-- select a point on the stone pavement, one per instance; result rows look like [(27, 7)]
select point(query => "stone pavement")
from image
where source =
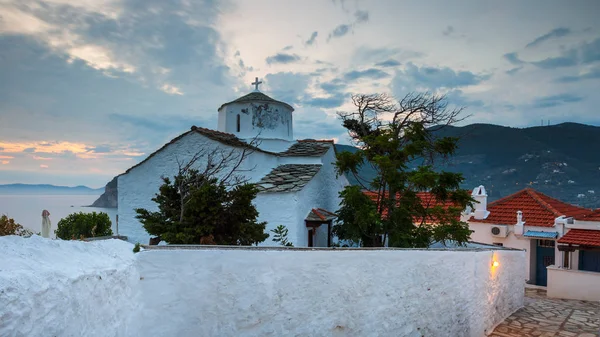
[(548, 317)]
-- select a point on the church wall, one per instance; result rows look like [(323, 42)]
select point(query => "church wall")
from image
[(252, 292), (138, 187), (278, 209), (273, 120)]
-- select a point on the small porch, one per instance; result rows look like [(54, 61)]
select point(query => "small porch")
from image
[(577, 274), (318, 223)]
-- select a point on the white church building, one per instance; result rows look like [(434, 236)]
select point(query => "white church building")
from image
[(297, 181)]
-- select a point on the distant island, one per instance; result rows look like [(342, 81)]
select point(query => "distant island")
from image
[(21, 189)]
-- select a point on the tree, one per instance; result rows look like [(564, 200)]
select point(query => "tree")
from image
[(86, 225), (8, 226), (391, 137), (280, 235), (207, 202)]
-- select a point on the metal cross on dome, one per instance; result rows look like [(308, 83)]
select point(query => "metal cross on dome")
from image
[(256, 83)]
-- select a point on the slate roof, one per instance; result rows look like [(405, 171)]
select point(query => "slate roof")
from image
[(288, 178), (582, 237), (319, 214), (256, 96), (308, 148), (538, 209)]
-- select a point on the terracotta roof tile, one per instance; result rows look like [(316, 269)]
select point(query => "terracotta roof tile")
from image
[(428, 200), (319, 214), (582, 237), (593, 216), (538, 209)]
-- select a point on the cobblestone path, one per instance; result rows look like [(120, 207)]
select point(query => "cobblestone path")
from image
[(548, 317)]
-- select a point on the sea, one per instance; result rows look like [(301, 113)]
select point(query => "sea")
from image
[(27, 209)]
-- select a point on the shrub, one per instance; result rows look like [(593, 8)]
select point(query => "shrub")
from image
[(136, 248), (8, 226), (84, 225), (280, 235)]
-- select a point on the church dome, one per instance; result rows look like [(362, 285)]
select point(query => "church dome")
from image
[(257, 115)]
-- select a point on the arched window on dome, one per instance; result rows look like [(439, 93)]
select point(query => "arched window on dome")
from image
[(238, 123)]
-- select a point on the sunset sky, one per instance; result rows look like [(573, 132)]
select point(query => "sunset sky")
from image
[(91, 87)]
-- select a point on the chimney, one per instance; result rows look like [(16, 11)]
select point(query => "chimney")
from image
[(480, 197), (519, 225)]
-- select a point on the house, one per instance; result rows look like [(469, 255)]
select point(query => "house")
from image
[(297, 181), (554, 234)]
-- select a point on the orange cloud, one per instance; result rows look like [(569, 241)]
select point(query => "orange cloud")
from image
[(80, 150), (44, 166), (6, 157), (4, 162), (41, 158)]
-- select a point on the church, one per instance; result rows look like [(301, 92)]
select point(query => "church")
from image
[(297, 181)]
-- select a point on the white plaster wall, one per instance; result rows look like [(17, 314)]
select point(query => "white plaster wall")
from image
[(278, 209), (573, 284), (137, 188), (228, 121), (482, 233), (325, 293)]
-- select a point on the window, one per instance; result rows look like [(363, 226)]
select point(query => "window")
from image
[(498, 244), (566, 260), (546, 243), (238, 123)]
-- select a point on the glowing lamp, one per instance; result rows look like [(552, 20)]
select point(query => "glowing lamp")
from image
[(495, 264)]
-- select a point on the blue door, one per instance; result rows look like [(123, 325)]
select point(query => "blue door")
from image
[(589, 260), (544, 258)]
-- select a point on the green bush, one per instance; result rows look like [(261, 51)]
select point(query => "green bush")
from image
[(8, 226), (136, 248), (86, 225)]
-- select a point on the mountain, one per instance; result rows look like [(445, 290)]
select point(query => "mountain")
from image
[(562, 161), (108, 199), (47, 189)]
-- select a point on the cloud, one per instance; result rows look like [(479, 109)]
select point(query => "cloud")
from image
[(388, 63), (41, 158), (513, 58), (5, 162), (282, 58), (100, 149), (568, 59), (171, 89), (442, 77), (448, 31), (361, 16), (371, 73), (513, 70), (553, 34), (6, 157), (339, 31), (556, 100), (590, 52), (287, 86), (369, 55), (312, 39), (44, 166), (335, 85), (592, 74), (333, 101), (287, 48)]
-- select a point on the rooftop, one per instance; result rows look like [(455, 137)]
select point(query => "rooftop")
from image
[(288, 178), (538, 209), (256, 96), (582, 237)]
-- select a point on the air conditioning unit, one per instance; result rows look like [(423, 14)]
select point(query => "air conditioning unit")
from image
[(499, 231)]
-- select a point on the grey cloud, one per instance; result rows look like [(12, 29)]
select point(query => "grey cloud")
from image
[(334, 85), (556, 100), (448, 31), (371, 73), (513, 58), (513, 70), (282, 58), (432, 77), (593, 74), (388, 63), (100, 149), (568, 59), (458, 98), (361, 16), (287, 47), (333, 101), (339, 31), (555, 33), (287, 86), (29, 150), (312, 39), (590, 52)]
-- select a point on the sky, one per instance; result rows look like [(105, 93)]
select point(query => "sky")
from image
[(88, 88)]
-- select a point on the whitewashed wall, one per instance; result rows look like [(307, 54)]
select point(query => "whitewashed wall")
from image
[(138, 187), (278, 123), (326, 293)]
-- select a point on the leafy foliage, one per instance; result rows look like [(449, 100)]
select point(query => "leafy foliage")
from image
[(213, 214), (84, 225), (391, 136), (280, 235), (8, 226), (136, 248)]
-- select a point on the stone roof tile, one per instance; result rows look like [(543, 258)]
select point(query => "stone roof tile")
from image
[(288, 178)]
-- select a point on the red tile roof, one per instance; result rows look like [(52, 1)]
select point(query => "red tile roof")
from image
[(582, 237), (594, 216), (538, 209), (428, 200)]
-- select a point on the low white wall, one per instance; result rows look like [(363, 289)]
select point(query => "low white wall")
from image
[(326, 293), (65, 288), (573, 284)]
